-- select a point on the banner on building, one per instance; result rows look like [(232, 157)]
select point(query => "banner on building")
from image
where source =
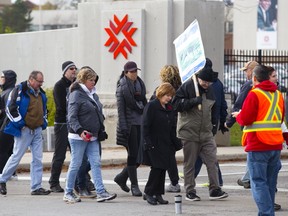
[(267, 24), (190, 51)]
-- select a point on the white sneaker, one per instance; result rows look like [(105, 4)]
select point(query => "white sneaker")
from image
[(173, 189), (71, 198)]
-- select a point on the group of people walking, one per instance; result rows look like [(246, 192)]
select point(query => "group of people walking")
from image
[(177, 116)]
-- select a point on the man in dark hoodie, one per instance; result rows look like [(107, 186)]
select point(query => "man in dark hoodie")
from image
[(7, 83)]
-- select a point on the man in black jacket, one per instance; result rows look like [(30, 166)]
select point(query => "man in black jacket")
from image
[(60, 91)]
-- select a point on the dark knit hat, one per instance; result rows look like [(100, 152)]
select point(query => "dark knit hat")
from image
[(130, 66), (208, 63), (67, 65), (206, 74)]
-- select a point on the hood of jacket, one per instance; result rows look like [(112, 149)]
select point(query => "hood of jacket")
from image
[(267, 86), (10, 79)]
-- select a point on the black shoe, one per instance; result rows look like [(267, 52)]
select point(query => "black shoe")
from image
[(217, 194), (150, 199), (56, 189), (40, 191), (121, 183), (85, 194), (191, 196), (90, 186), (160, 200), (135, 190), (277, 207), (3, 189)]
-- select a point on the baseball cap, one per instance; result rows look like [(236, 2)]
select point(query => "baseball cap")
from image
[(249, 65)]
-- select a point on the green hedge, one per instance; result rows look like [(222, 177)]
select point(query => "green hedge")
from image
[(50, 106), (235, 135)]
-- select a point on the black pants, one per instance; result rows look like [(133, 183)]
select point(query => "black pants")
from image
[(173, 171), (61, 144), (133, 145), (156, 182), (6, 148)]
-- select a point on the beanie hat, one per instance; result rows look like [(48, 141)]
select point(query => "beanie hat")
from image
[(67, 65), (206, 74), (208, 63), (130, 66)]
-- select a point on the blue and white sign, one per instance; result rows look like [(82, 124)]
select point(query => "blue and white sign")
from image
[(190, 51)]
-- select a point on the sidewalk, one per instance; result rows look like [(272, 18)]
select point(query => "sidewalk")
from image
[(115, 155)]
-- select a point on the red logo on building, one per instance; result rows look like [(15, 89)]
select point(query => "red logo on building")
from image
[(120, 28)]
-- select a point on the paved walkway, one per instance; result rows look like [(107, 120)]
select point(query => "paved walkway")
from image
[(114, 155)]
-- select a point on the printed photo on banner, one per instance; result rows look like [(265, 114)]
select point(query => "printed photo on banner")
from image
[(267, 24), (189, 51)]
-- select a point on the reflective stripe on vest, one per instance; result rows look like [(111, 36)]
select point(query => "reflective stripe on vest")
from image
[(267, 124)]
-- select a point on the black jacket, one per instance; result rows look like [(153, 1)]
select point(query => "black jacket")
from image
[(129, 111), (60, 92), (247, 86), (10, 81), (159, 132)]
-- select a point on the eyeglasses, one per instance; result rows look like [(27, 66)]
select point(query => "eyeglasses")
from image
[(39, 81), (72, 68)]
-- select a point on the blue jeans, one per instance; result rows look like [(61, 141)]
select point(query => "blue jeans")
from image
[(264, 168), (29, 138), (78, 149)]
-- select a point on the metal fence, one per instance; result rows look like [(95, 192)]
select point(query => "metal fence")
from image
[(235, 59)]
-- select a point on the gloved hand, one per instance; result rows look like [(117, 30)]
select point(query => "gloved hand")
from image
[(214, 130), (148, 146), (195, 101), (223, 128)]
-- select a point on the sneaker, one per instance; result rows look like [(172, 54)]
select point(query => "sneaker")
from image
[(71, 198), (40, 191), (217, 194), (105, 196), (191, 196), (277, 207), (14, 177), (84, 193), (245, 184), (56, 189), (3, 189), (181, 175), (173, 189)]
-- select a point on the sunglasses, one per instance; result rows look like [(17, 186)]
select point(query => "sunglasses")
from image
[(72, 68)]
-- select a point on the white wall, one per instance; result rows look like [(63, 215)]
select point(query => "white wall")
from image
[(159, 22)]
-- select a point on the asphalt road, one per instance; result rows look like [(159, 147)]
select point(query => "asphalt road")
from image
[(18, 201)]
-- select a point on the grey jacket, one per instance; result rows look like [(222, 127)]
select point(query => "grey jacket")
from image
[(194, 124), (83, 112)]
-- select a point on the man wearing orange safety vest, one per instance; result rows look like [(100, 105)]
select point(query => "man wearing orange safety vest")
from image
[(262, 115)]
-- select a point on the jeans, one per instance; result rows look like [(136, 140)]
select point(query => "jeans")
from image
[(264, 168), (246, 176), (79, 148), (29, 138)]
